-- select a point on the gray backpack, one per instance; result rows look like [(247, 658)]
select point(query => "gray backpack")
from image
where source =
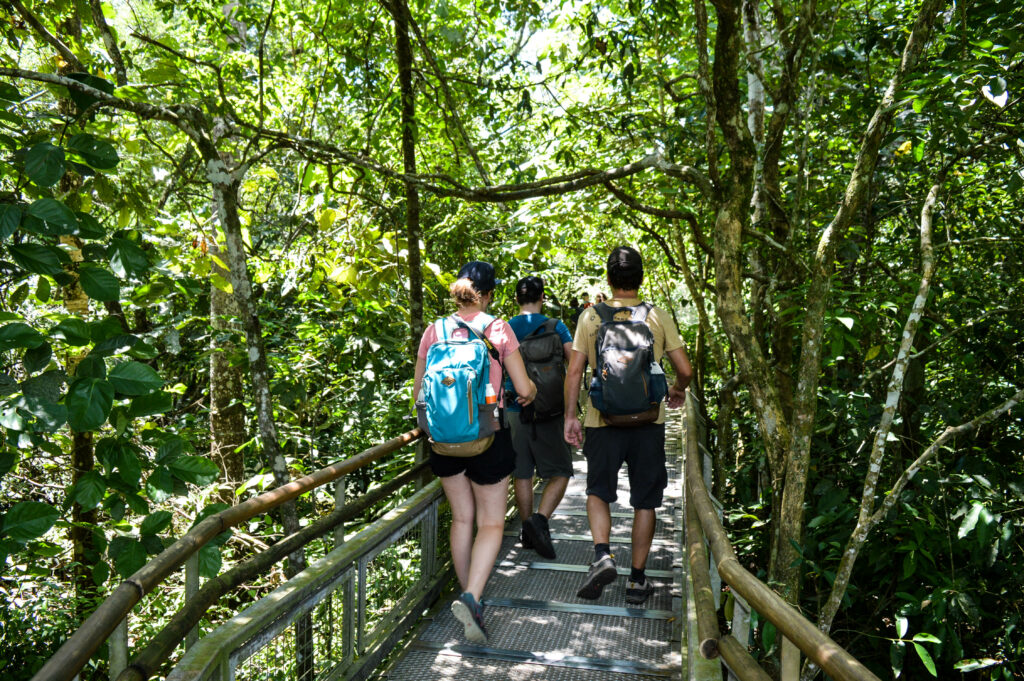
[(628, 385), (545, 364)]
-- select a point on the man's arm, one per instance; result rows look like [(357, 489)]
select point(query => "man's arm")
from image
[(684, 372), (573, 376)]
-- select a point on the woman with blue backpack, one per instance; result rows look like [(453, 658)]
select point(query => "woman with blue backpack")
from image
[(457, 384)]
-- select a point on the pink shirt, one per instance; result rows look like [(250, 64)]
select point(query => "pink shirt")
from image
[(500, 335)]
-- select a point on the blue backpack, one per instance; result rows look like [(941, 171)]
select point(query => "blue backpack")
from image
[(453, 406)]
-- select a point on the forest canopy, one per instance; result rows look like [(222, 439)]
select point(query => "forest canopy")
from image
[(223, 225)]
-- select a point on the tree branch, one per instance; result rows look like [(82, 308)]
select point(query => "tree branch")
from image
[(446, 90), (37, 26), (108, 39), (633, 203)]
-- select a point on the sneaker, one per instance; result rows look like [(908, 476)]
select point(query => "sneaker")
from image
[(535, 529), (602, 572), (471, 614), (638, 592), (524, 539)]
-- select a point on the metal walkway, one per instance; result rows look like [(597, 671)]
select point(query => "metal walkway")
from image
[(540, 629)]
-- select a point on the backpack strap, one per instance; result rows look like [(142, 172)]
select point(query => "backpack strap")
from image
[(471, 328), (641, 311), (548, 326), (605, 311), (638, 313)]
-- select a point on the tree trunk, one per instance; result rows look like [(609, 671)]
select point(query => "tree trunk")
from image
[(227, 413), (403, 53)]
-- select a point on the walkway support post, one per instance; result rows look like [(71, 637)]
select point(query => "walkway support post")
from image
[(191, 589)]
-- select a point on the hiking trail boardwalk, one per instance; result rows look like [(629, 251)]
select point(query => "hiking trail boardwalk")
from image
[(539, 628)]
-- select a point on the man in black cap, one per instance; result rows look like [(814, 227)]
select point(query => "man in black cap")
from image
[(606, 446)]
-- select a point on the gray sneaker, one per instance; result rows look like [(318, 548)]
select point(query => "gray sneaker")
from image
[(637, 592), (471, 614), (602, 573)]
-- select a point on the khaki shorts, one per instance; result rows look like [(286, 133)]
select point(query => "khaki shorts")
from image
[(540, 447)]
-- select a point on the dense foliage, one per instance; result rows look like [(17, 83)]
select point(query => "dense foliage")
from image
[(282, 121)]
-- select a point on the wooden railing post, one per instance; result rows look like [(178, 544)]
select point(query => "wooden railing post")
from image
[(191, 588), (339, 502), (789, 661), (118, 643)]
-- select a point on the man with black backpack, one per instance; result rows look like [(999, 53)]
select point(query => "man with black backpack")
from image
[(537, 433), (624, 340)]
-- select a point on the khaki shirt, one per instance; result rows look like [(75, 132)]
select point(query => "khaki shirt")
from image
[(666, 339)]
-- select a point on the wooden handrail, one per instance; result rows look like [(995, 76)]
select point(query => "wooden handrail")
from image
[(838, 663), (65, 664)]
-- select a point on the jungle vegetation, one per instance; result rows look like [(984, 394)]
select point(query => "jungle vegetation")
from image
[(224, 224)]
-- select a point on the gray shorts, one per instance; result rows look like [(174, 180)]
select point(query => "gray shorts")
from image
[(540, 447)]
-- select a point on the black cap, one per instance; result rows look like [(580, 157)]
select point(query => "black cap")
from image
[(529, 289), (625, 261), (481, 274)]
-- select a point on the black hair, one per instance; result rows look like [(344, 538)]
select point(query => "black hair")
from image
[(529, 290), (625, 269)]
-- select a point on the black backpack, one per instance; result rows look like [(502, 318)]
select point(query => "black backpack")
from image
[(628, 385), (545, 364)]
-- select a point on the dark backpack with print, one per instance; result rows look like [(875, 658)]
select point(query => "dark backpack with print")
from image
[(628, 385), (545, 364)]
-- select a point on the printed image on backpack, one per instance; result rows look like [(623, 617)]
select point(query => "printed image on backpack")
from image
[(544, 360), (453, 406), (628, 385)]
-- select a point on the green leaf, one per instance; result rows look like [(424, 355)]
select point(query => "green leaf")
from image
[(10, 218), (72, 331), (194, 469), (929, 638), (29, 520), (36, 359), (43, 289), (44, 164), (152, 544), (7, 460), (98, 283), (112, 345), (156, 522), (89, 227), (88, 401), (89, 490), (137, 504), (49, 416), (19, 335), (52, 218), (134, 378), (36, 258), (82, 100), (91, 367), (972, 665), (154, 403), (129, 555), (209, 561), (172, 448), (159, 485), (926, 658), (97, 153), (9, 93), (970, 520), (100, 573), (126, 258)]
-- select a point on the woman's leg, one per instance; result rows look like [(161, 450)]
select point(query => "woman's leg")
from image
[(460, 497), (491, 501)]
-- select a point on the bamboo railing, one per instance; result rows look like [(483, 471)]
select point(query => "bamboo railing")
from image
[(703, 522), (68, 661)]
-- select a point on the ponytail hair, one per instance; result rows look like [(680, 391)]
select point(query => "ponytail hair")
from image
[(464, 293)]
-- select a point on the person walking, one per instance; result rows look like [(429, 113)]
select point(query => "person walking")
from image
[(624, 339), (476, 486), (537, 429)]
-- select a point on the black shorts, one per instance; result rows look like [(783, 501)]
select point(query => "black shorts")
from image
[(487, 468), (641, 448)]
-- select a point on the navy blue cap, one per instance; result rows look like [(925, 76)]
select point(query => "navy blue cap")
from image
[(481, 274)]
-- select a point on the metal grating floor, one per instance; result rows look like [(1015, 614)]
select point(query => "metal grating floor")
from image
[(541, 631)]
